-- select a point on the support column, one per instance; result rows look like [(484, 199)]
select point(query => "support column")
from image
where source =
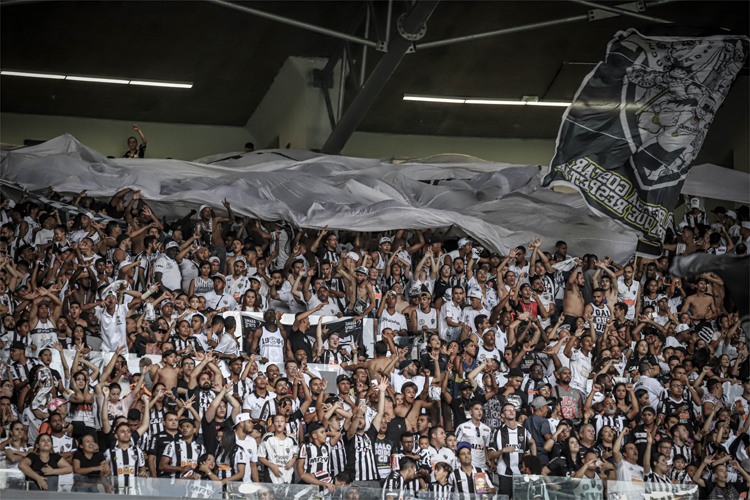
[(397, 48)]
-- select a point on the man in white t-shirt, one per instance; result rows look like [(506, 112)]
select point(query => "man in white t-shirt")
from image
[(43, 237), (388, 317), (629, 473), (580, 360), (243, 427), (322, 296), (220, 297), (166, 268), (475, 309), (449, 321), (111, 313), (652, 386)]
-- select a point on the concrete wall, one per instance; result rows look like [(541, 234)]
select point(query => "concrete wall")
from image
[(293, 110), (520, 151), (110, 137)]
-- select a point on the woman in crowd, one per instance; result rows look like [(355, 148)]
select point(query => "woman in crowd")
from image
[(42, 466), (15, 448), (89, 465), (231, 459)]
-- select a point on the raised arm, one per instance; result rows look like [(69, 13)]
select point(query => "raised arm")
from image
[(617, 445)]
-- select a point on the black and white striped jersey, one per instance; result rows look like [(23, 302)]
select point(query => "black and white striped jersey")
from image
[(441, 491), (203, 400), (181, 344), (616, 422), (21, 371), (536, 489), (508, 463), (685, 450), (243, 388), (338, 456), (655, 482), (680, 476), (395, 483), (333, 358), (160, 441), (156, 420), (180, 454), (412, 485), (228, 464), (360, 452), (125, 465), (465, 483), (316, 461)]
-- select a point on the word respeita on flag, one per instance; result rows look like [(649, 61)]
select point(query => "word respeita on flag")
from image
[(638, 121)]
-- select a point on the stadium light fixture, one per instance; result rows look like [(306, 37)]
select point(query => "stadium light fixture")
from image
[(92, 79), (487, 101)]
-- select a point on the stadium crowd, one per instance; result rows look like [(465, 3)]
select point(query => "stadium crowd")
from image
[(484, 366)]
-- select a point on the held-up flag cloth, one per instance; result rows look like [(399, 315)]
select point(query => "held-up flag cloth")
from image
[(638, 121)]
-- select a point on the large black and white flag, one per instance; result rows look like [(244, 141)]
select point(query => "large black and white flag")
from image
[(638, 121)]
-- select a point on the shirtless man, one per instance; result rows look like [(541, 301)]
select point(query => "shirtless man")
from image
[(83, 293), (608, 282), (700, 306), (380, 365), (573, 303), (210, 224), (362, 291), (412, 406), (165, 371), (401, 304)]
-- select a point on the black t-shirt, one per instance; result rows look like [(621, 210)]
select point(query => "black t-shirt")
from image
[(37, 464), (139, 345), (561, 467), (427, 362), (639, 437), (96, 459), (211, 430), (396, 427), (518, 398), (297, 341), (139, 154), (461, 408), (440, 287), (687, 416)]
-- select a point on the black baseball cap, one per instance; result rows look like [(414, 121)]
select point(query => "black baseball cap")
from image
[(18, 345)]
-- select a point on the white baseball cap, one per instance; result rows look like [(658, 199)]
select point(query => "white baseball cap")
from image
[(475, 294), (241, 417), (695, 203), (385, 239), (732, 214), (463, 242), (172, 244), (681, 328)]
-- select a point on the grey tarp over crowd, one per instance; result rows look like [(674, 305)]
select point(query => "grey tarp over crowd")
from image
[(500, 205)]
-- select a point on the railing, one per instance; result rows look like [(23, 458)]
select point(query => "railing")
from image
[(525, 487)]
